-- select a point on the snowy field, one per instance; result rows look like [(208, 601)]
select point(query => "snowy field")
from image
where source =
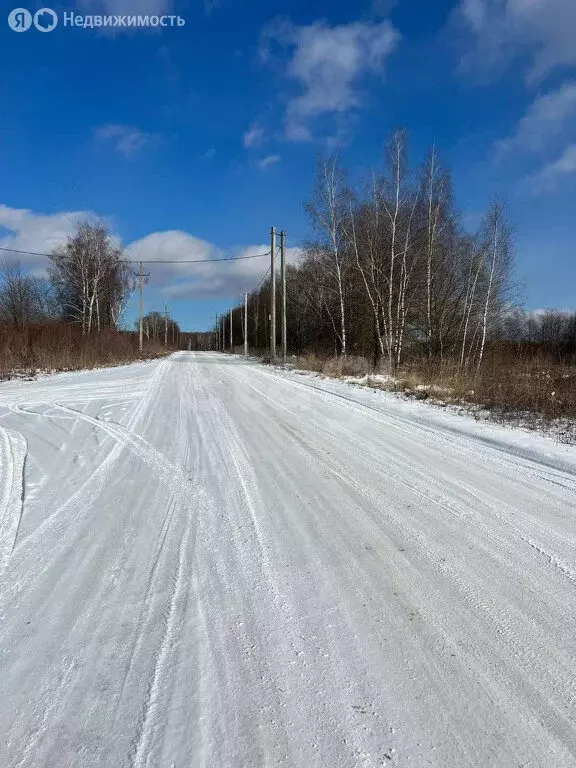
[(206, 562)]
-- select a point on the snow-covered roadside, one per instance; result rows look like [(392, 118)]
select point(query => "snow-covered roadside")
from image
[(35, 374), (521, 437)]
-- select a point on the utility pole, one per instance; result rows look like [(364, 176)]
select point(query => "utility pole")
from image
[(165, 325), (283, 279), (246, 324), (273, 295), (217, 334), (141, 275), (231, 340)]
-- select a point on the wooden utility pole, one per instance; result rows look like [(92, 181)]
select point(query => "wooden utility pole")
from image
[(273, 294), (141, 277), (217, 334), (246, 324), (283, 279), (231, 340), (165, 325), (141, 323)]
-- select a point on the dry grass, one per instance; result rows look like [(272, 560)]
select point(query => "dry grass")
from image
[(335, 367), (534, 391), (60, 347), (508, 385), (347, 366)]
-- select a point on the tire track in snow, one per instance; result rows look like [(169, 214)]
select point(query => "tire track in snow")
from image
[(507, 625), (457, 497), (166, 471), (93, 485), (566, 570), (173, 476), (12, 461), (180, 525), (146, 609), (418, 431), (288, 635), (223, 658), (145, 743)]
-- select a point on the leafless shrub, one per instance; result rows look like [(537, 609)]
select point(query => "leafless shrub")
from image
[(310, 363), (60, 347)]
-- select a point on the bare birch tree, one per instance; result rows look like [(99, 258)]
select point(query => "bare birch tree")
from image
[(496, 246), (328, 211), (91, 279), (382, 239)]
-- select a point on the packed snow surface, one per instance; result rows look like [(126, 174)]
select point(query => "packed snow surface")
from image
[(207, 562)]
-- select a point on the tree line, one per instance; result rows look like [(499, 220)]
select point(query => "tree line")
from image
[(72, 316), (391, 273), (158, 326), (89, 283)]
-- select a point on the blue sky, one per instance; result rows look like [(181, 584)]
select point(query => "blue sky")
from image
[(192, 141)]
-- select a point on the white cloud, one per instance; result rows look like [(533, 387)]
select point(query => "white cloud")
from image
[(551, 175), (547, 118), (504, 29), (268, 161), (171, 246), (208, 280), (25, 230), (253, 137), (327, 63), (127, 140)]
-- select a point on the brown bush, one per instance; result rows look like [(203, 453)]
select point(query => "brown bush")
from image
[(335, 367), (310, 362), (61, 347), (347, 366)]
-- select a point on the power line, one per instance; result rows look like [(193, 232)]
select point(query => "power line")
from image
[(152, 261), (195, 261), (263, 278), (26, 253)]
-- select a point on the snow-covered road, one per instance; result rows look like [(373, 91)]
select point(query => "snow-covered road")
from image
[(205, 562)]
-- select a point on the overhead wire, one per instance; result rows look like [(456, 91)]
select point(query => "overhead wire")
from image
[(265, 274), (261, 281), (161, 261), (152, 261)]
